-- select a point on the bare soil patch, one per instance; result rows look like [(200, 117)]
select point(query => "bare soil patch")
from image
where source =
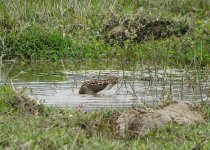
[(140, 122)]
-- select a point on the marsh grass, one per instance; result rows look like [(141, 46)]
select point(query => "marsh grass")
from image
[(76, 129), (66, 130), (54, 30)]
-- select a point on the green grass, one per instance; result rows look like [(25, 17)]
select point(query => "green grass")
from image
[(54, 30), (60, 131), (70, 128), (76, 129)]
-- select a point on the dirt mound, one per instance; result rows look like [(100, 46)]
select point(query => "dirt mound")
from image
[(137, 122), (138, 29), (156, 29), (28, 105)]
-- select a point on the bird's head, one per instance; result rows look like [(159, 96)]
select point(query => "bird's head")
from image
[(114, 80)]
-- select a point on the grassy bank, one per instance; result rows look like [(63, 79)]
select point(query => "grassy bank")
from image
[(53, 30), (66, 128)]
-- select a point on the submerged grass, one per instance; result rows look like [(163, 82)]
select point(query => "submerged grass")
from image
[(75, 129)]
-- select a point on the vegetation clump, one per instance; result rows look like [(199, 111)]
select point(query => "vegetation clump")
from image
[(139, 29), (12, 101)]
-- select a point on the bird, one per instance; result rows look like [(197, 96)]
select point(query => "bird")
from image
[(95, 86)]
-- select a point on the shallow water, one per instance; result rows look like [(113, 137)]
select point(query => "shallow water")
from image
[(58, 84)]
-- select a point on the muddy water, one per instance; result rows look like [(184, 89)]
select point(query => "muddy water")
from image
[(58, 84)]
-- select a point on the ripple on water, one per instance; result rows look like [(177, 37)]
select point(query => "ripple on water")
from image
[(134, 90)]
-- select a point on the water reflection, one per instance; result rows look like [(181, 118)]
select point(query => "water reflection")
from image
[(59, 84)]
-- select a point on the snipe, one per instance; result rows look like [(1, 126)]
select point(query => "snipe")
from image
[(95, 86)]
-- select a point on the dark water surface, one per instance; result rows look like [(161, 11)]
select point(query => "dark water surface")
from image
[(58, 83)]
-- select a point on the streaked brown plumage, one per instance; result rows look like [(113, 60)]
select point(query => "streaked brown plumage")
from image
[(95, 86)]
